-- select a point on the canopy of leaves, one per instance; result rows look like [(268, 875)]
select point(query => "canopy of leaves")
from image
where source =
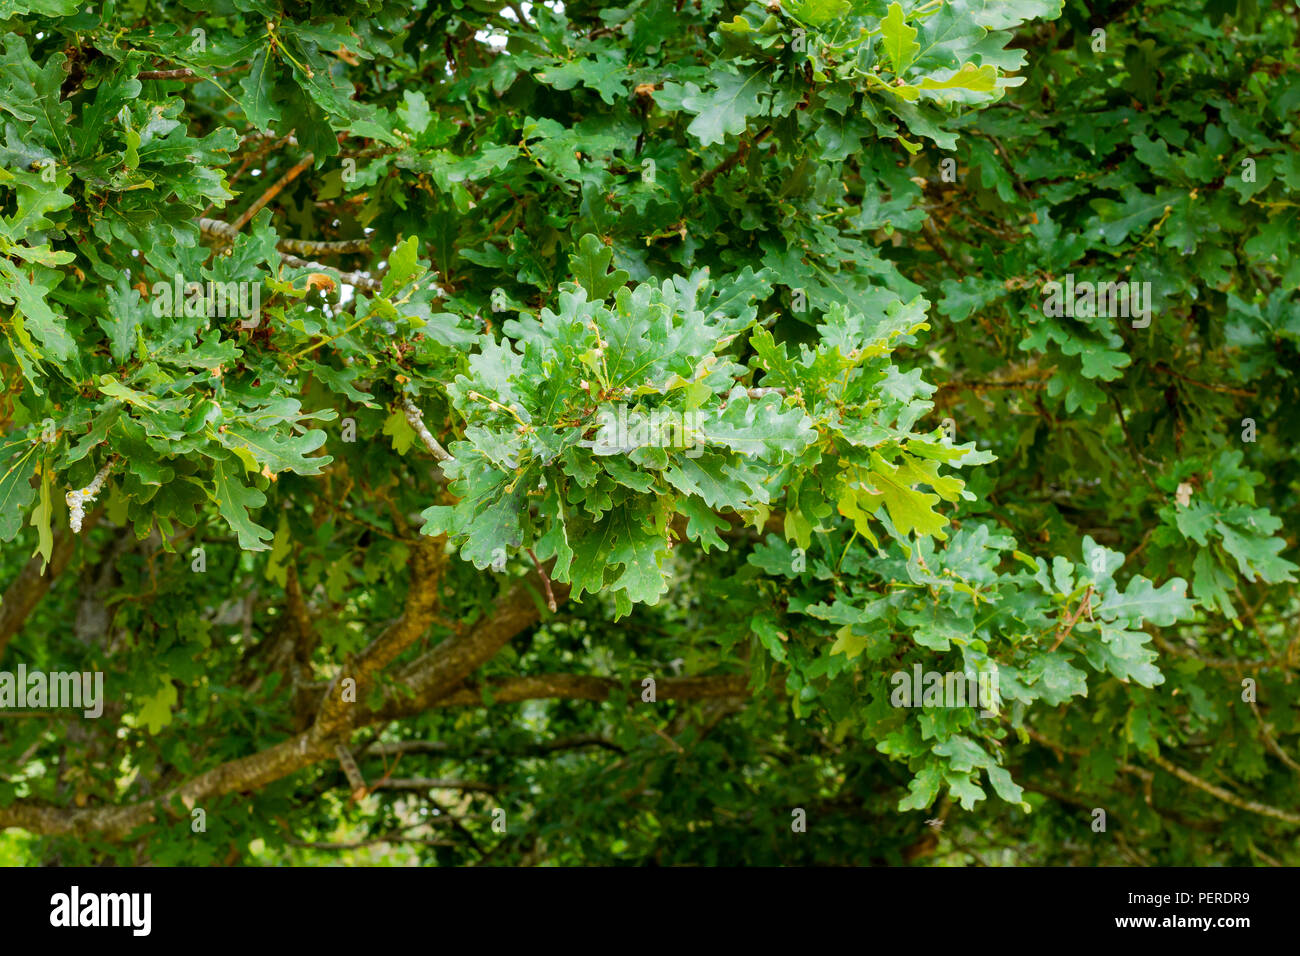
[(552, 433)]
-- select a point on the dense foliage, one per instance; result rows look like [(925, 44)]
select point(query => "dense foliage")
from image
[(474, 432)]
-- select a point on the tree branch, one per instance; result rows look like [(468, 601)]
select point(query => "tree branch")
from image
[(335, 715), (511, 690), (427, 783), (1252, 806), (289, 176), (1271, 741), (415, 418), (442, 748), (436, 673), (225, 233), (26, 590)]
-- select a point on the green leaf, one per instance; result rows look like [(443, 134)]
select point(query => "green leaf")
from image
[(726, 108), (16, 491), (899, 39), (909, 509), (403, 265), (277, 453), (817, 12), (848, 643), (33, 313), (233, 499), (923, 788), (399, 431), (258, 99), (590, 268), (155, 710), (978, 79)]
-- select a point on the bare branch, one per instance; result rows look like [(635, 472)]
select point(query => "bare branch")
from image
[(1219, 793), (274, 190), (425, 783), (1271, 741), (578, 687), (443, 748), (416, 420), (225, 233)]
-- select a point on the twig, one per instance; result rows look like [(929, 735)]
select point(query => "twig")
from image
[(936, 243), (309, 247), (79, 498), (1219, 793), (546, 581), (1137, 455), (375, 841), (1250, 844), (1270, 741), (1186, 776), (184, 74), (416, 419), (1219, 663), (539, 749), (273, 191), (981, 386), (1084, 605), (1226, 389), (678, 747), (426, 783), (1004, 236), (350, 770), (731, 161), (1006, 158)]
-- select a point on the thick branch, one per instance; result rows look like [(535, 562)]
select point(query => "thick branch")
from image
[(225, 233), (435, 679), (431, 676), (357, 280), (443, 669), (427, 561)]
